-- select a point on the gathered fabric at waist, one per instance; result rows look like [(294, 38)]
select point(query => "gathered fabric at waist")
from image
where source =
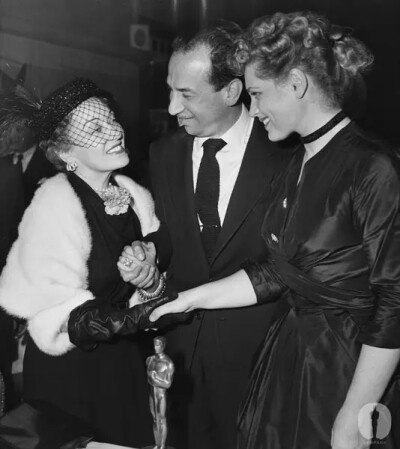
[(309, 294), (302, 306)]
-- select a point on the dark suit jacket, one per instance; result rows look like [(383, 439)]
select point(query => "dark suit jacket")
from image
[(11, 210), (16, 192), (38, 168), (241, 330), (11, 204)]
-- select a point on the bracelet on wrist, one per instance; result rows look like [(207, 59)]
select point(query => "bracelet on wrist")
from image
[(158, 292)]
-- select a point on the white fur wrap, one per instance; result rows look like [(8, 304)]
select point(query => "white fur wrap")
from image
[(46, 272)]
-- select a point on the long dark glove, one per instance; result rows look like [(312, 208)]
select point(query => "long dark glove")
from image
[(92, 323)]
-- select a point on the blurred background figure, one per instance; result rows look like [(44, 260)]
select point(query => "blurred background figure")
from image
[(22, 168)]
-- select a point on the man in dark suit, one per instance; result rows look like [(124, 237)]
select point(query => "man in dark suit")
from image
[(21, 173), (22, 167), (214, 351), (36, 168)]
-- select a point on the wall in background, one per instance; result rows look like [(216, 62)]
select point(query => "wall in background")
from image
[(56, 40)]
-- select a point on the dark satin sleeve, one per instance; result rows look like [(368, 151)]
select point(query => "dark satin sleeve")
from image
[(162, 242), (376, 210), (266, 282)]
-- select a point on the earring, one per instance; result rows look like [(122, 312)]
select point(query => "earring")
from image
[(72, 166)]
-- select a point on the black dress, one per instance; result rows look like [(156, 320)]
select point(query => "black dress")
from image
[(107, 387), (335, 241)]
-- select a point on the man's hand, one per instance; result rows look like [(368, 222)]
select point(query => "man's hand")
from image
[(142, 251), (137, 264)]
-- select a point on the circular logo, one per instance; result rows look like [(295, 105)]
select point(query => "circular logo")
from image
[(374, 421)]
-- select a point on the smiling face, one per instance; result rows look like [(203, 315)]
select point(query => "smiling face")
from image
[(97, 139), (274, 104), (198, 107)]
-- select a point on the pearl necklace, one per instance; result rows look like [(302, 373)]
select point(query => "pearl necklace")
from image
[(116, 199)]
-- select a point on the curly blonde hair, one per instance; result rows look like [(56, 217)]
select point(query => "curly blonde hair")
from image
[(328, 53)]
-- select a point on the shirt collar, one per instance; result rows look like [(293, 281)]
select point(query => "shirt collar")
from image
[(24, 157), (235, 133)]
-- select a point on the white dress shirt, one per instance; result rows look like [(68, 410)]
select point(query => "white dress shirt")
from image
[(229, 158)]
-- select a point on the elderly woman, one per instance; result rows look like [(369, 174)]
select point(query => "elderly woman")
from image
[(66, 255), (333, 231)]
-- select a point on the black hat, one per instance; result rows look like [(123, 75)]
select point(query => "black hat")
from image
[(61, 102)]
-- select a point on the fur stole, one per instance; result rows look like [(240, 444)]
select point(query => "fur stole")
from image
[(46, 272)]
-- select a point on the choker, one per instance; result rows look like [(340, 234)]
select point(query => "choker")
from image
[(324, 129), (116, 199)]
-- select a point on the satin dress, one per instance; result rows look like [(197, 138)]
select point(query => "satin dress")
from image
[(107, 387), (334, 240)]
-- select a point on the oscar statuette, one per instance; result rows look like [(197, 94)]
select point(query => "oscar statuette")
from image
[(160, 373)]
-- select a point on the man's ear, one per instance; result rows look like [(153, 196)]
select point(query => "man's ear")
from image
[(233, 91), (298, 82)]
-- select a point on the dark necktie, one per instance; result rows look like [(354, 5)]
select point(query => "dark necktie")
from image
[(17, 160), (207, 194), (17, 171)]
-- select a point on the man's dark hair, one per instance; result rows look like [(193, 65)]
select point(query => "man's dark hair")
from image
[(220, 38)]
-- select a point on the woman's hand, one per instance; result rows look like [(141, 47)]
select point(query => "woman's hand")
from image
[(184, 303), (137, 265), (345, 431), (235, 290)]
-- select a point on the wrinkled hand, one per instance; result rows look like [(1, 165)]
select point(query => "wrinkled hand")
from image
[(137, 264), (183, 304), (345, 432)]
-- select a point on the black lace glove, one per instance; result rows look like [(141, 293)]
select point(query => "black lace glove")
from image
[(90, 323)]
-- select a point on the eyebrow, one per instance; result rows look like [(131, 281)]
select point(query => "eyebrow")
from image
[(98, 118), (181, 89), (92, 120)]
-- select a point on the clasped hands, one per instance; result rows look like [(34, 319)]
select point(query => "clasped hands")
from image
[(137, 265), (91, 323)]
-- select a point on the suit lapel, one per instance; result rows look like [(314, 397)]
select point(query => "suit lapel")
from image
[(38, 165), (253, 179), (180, 179)]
